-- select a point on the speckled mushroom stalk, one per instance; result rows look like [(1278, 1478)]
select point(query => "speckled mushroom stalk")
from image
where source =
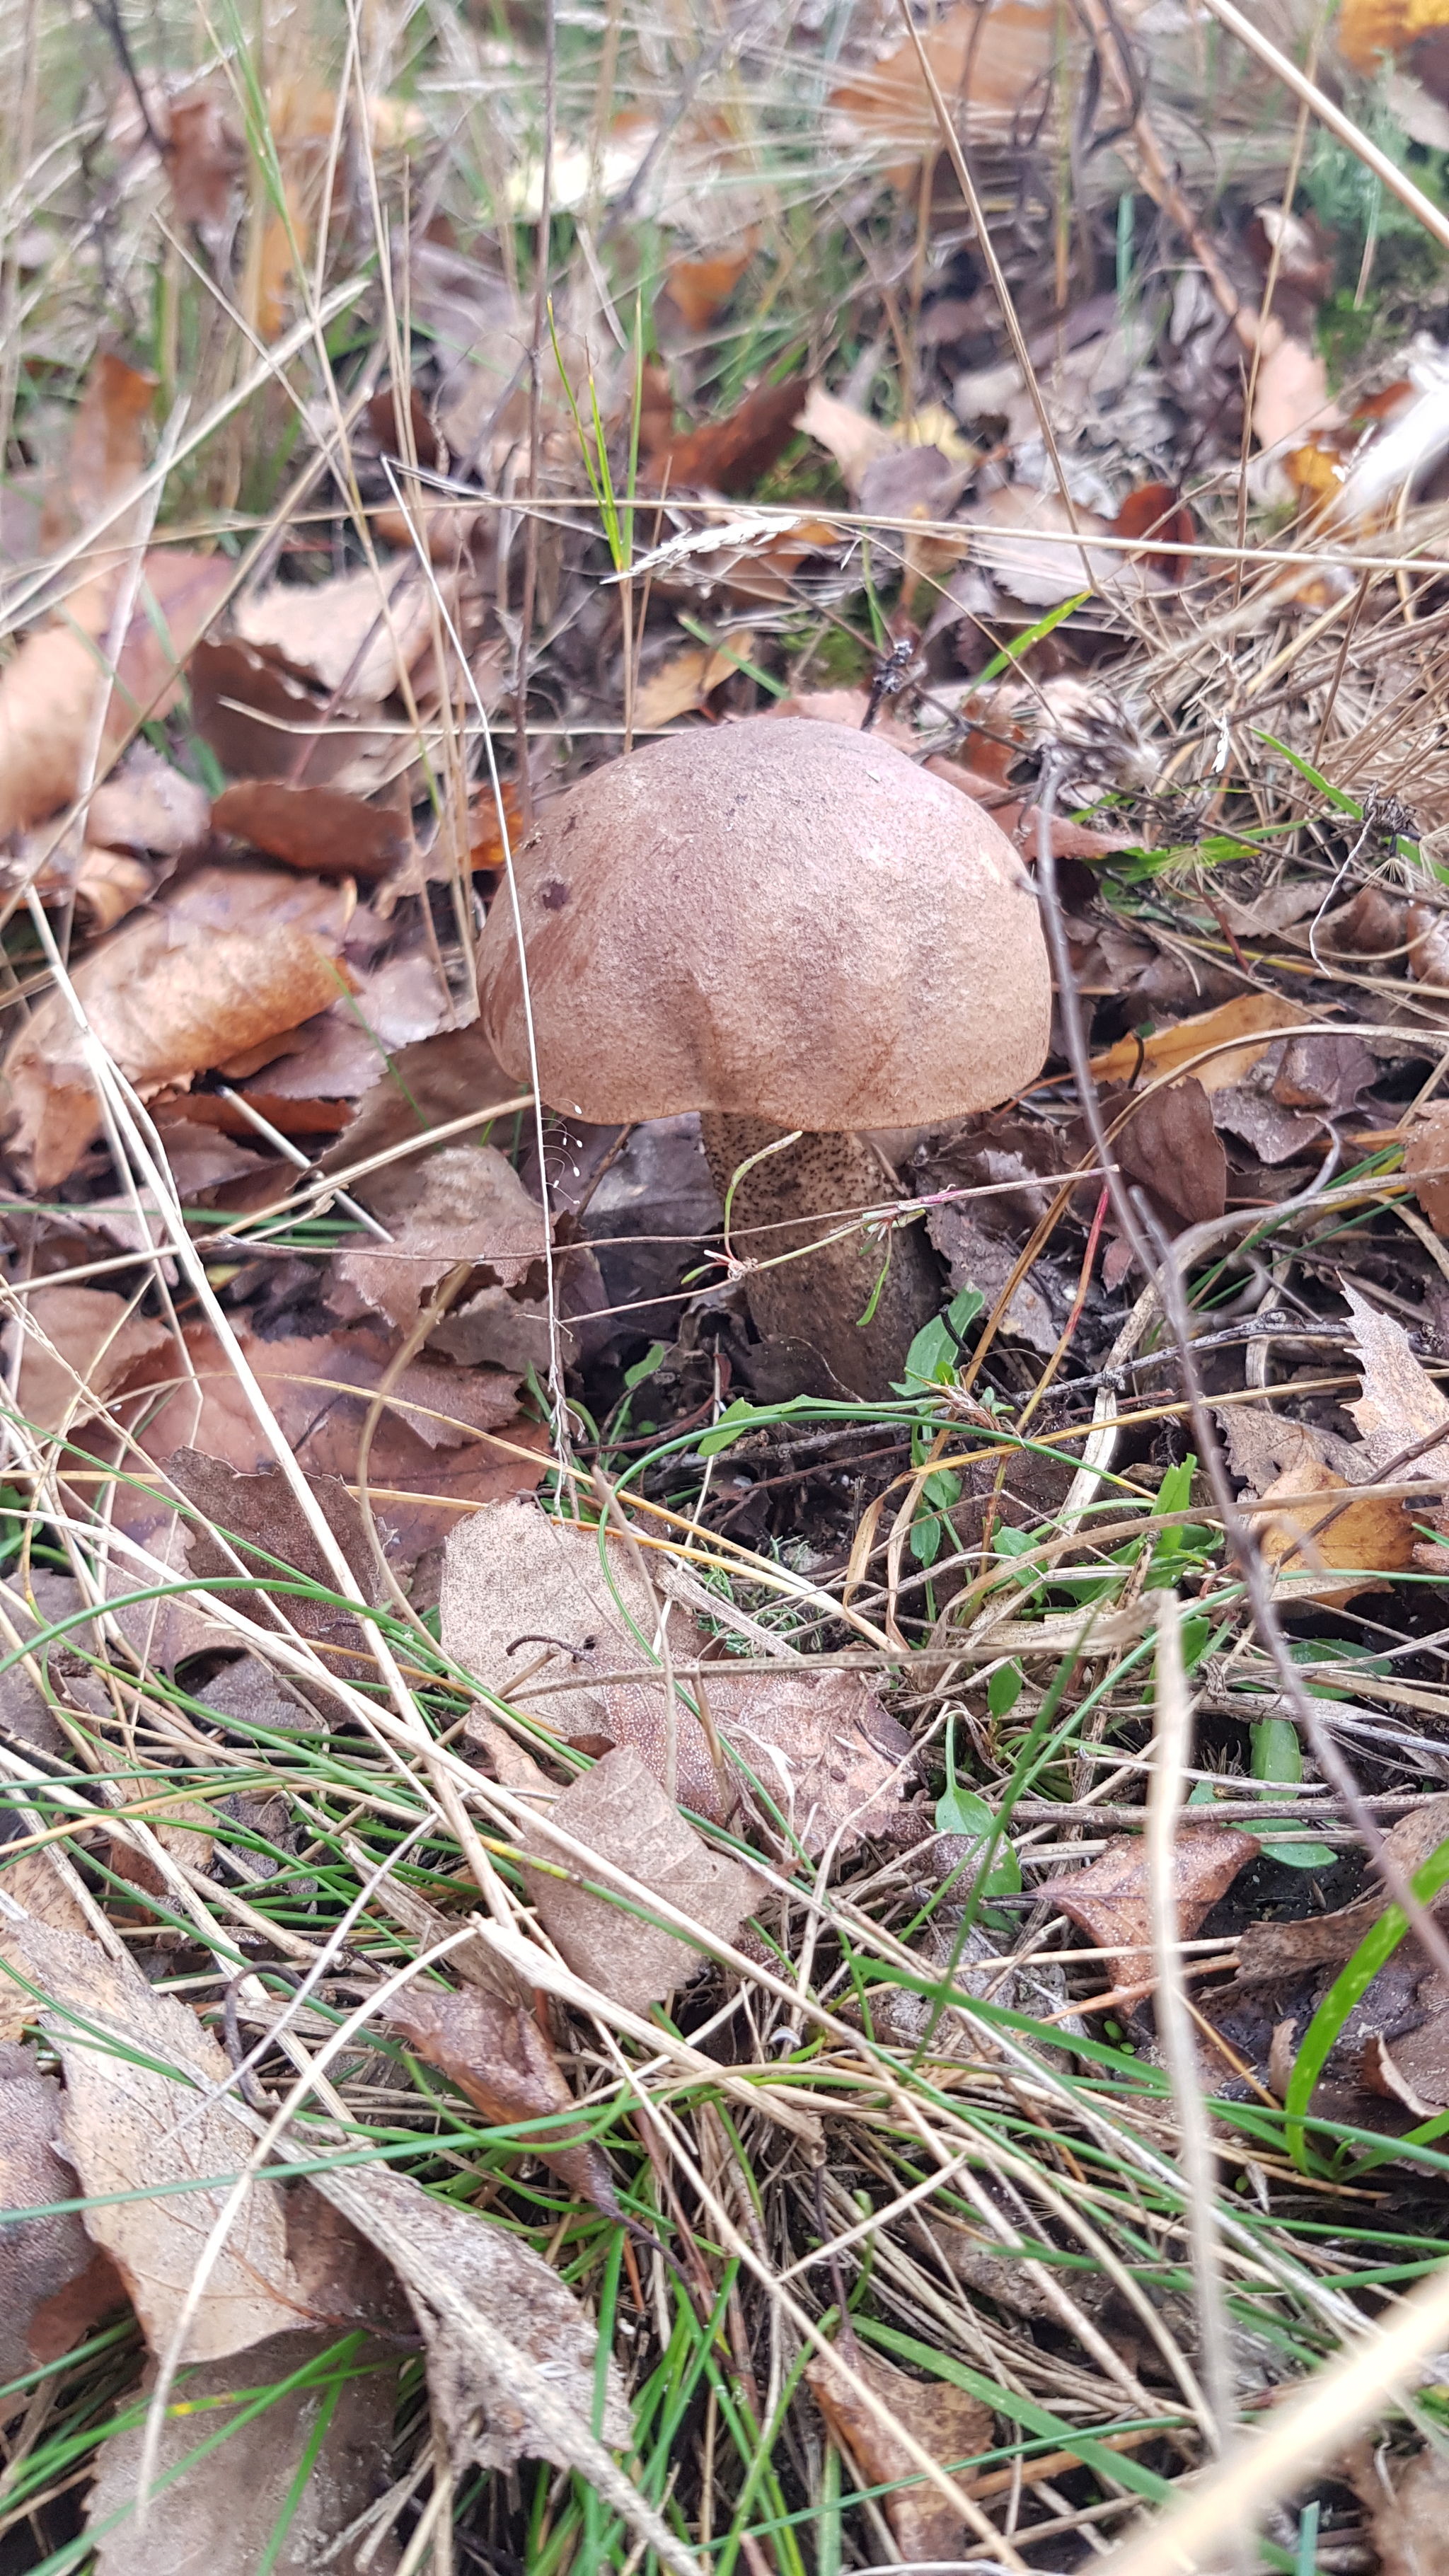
[(785, 926)]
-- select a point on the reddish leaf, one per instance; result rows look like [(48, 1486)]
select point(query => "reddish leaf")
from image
[(1111, 1900), (496, 2053), (731, 455), (313, 828)]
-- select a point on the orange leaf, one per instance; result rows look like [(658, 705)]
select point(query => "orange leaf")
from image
[(1256, 1018)]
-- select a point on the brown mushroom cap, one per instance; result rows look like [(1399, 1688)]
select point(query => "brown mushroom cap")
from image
[(777, 919)]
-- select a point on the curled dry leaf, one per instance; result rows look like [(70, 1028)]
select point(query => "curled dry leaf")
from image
[(1297, 1532), (685, 680), (313, 827), (263, 1509), (50, 691), (107, 452), (148, 806), (831, 1760), (512, 2356), (75, 1347), (731, 455), (166, 1000), (341, 1055), (133, 2132), (46, 2299), (1407, 2500), (1400, 1409), (1255, 1018), (261, 718), (1168, 1143), (985, 62), (949, 2423), (497, 2054), (348, 635), (473, 1207), (1426, 1162), (217, 2508), (619, 1810), (1111, 1900)]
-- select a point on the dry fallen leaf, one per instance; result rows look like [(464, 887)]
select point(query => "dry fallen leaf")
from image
[(497, 2054), (312, 827), (220, 2516), (167, 999), (1292, 395), (107, 452), (1167, 1142), (43, 2261), (685, 680), (258, 715), (1256, 1018), (262, 1509), (473, 1207), (1028, 543), (1111, 1899), (131, 2130), (1426, 1161), (348, 634), (50, 690), (701, 288), (986, 63), (829, 1758), (731, 455), (78, 1345), (1400, 1404), (952, 2425), (206, 155), (619, 1810), (1407, 2501), (1302, 1532)]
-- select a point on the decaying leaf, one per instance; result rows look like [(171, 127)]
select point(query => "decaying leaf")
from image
[(346, 634), (221, 2516), (167, 997), (1111, 1899), (830, 1758), (985, 63), (496, 2053), (46, 2299), (1426, 1161), (129, 2128), (952, 2425), (75, 1347), (1167, 1142), (107, 451), (263, 1509), (619, 1810), (1408, 2507), (473, 1208), (731, 455), (511, 2353), (312, 827), (50, 691), (685, 680), (1297, 1532), (1255, 1018), (1400, 1403)]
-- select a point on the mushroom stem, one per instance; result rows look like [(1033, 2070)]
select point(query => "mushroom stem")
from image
[(801, 1194)]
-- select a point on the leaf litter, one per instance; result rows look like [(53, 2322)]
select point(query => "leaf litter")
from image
[(1034, 547)]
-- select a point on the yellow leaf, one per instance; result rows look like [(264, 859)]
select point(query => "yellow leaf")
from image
[(1257, 1018), (1374, 1538)]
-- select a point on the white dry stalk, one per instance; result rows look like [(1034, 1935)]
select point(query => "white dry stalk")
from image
[(1171, 1745)]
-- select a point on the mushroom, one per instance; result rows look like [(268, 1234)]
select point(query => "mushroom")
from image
[(787, 926)]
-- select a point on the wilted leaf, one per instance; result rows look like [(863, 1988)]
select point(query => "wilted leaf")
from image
[(128, 2128), (347, 634), (205, 156), (167, 1000), (685, 680), (1292, 395), (1407, 2500), (1400, 1404), (731, 455), (826, 1753), (1426, 1161), (700, 289), (221, 2516), (619, 1810), (511, 2352), (952, 2425), (1263, 1443), (107, 451), (341, 1055), (50, 691), (263, 1509), (496, 2053), (986, 63), (78, 1344), (1169, 1144), (1111, 1899), (1304, 1533), (257, 714), (313, 827), (41, 2259), (1256, 1018), (1027, 542), (473, 1208)]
